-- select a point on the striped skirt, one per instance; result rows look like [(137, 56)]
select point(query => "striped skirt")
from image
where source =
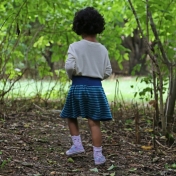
[(86, 98)]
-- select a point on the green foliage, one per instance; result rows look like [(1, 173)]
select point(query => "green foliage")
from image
[(70, 160), (4, 162), (94, 170), (111, 167), (170, 166), (31, 29), (34, 24), (129, 121), (136, 68), (147, 93)]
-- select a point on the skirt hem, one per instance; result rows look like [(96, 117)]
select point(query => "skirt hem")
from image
[(107, 119)]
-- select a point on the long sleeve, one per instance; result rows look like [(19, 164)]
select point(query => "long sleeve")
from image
[(108, 69), (70, 64)]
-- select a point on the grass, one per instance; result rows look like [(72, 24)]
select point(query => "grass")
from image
[(30, 88), (125, 88), (121, 85)]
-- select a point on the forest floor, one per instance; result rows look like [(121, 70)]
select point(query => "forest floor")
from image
[(33, 143)]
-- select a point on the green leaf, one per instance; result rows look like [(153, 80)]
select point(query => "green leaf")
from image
[(135, 94), (42, 42), (94, 170), (173, 166), (112, 174), (111, 167), (70, 160), (129, 121), (128, 129), (132, 169), (166, 166), (126, 57), (75, 170), (120, 65)]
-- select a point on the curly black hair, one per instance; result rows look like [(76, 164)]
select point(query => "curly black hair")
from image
[(88, 21)]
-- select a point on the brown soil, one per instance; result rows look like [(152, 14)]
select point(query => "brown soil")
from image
[(33, 143)]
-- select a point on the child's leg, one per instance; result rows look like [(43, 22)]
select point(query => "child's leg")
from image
[(73, 127), (95, 132), (76, 139), (97, 141)]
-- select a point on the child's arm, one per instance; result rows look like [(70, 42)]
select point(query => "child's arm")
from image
[(70, 64), (108, 69)]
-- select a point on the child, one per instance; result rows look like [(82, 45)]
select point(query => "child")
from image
[(87, 64)]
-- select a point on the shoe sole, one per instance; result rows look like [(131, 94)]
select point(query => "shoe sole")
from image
[(83, 151), (100, 163)]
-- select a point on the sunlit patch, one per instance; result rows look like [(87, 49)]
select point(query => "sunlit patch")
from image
[(107, 93)]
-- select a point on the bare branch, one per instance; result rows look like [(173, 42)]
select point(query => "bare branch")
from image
[(141, 31), (158, 39), (8, 90)]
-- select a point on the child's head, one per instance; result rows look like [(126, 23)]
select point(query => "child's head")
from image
[(88, 21)]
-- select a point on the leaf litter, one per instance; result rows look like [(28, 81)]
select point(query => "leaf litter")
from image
[(34, 144)]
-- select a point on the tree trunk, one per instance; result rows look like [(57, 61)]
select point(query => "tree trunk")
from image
[(136, 44), (48, 56), (170, 103)]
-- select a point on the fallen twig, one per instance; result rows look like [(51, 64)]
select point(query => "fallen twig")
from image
[(161, 145), (38, 107)]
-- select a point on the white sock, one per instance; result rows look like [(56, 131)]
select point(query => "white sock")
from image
[(97, 149), (76, 140)]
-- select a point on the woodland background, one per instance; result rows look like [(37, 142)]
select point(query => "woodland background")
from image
[(34, 38)]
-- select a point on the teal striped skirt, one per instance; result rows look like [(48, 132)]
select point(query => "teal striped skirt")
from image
[(86, 98)]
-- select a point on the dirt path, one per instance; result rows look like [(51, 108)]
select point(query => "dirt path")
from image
[(34, 144)]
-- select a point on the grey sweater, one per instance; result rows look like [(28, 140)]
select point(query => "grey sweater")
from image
[(87, 58)]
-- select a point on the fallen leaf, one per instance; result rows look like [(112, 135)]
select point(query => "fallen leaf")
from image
[(173, 166), (156, 159), (35, 158), (27, 125), (111, 167), (70, 160), (75, 170), (27, 164), (112, 174), (94, 170), (147, 147), (132, 169), (53, 173), (148, 130), (163, 137)]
